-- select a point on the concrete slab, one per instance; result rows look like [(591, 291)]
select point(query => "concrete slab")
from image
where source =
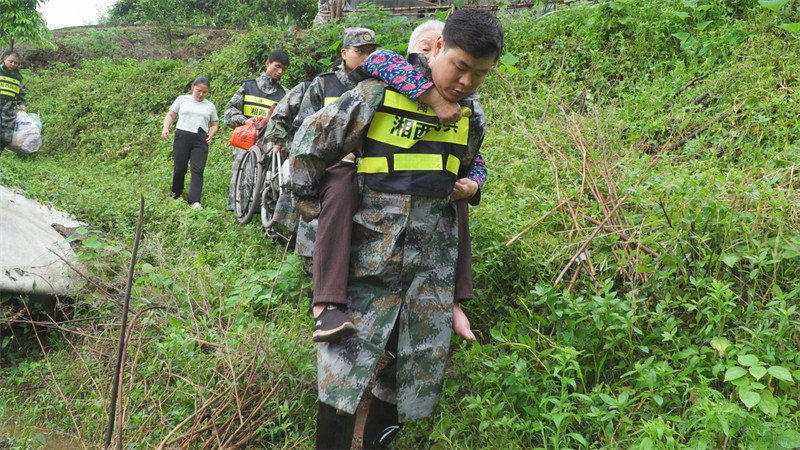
[(31, 242)]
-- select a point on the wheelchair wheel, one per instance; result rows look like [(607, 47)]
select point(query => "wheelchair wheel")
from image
[(249, 175), (271, 190)]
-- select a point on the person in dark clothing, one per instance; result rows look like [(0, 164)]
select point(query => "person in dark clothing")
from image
[(12, 95), (197, 125)]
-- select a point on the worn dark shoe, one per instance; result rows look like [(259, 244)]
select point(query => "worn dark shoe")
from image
[(332, 324)]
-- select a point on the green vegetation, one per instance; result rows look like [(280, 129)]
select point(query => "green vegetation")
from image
[(219, 13), (21, 22), (683, 112)]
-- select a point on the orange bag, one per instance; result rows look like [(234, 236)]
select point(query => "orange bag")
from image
[(244, 136)]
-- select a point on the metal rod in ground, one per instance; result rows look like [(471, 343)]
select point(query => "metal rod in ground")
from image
[(126, 302)]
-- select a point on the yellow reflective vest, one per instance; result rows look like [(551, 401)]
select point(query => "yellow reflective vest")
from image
[(407, 151), (256, 102), (10, 86)]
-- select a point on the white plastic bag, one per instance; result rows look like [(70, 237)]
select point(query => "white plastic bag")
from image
[(27, 137)]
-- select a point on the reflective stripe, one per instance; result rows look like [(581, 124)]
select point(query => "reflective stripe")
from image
[(8, 93), (408, 161), (453, 164), (258, 100), (10, 80), (9, 87), (399, 101), (329, 100), (417, 161), (373, 164), (404, 133), (255, 111)]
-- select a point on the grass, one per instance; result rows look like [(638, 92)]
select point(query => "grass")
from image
[(689, 348)]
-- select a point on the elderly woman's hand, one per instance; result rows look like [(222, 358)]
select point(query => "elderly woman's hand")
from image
[(461, 324), (464, 188)]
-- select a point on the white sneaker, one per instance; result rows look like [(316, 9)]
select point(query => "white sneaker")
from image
[(196, 205)]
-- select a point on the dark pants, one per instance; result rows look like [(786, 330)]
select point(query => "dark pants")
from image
[(331, 261), (189, 147)]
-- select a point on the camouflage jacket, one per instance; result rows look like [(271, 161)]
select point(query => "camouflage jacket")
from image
[(280, 129), (338, 129), (233, 110), (314, 98)]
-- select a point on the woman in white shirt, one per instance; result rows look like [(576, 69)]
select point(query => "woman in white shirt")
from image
[(197, 125)]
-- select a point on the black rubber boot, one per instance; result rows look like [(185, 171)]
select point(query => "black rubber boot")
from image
[(334, 429), (382, 424)]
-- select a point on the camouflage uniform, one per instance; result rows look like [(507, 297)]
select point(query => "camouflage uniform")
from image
[(234, 117), (280, 131), (404, 251), (313, 101), (9, 106)]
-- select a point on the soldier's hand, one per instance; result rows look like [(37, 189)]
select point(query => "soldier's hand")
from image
[(277, 148), (250, 120), (164, 133), (461, 324), (308, 209), (464, 188), (447, 112)]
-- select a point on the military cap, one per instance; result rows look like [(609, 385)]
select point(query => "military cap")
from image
[(354, 37)]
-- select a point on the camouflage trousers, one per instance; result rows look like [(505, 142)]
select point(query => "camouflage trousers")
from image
[(306, 235), (8, 115), (238, 154), (402, 272)]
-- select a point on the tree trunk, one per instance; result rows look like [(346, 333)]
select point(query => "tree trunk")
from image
[(11, 49)]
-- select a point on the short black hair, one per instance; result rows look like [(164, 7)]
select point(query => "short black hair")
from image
[(280, 56), (476, 31), (8, 53), (201, 80)]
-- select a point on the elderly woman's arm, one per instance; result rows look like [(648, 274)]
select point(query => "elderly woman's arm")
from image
[(168, 119), (394, 70)]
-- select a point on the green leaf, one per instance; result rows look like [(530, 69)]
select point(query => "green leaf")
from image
[(579, 438), (658, 399), (608, 400), (734, 372), (682, 14), (703, 26), (774, 5), (681, 35), (730, 260), (509, 59), (768, 405), (749, 398), (720, 345), (758, 371), (747, 360), (789, 439), (781, 373), (793, 27)]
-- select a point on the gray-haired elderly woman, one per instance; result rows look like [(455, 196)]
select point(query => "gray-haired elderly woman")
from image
[(197, 125), (424, 36)]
